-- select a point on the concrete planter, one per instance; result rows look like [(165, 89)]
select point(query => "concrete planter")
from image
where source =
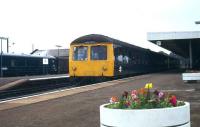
[(163, 117)]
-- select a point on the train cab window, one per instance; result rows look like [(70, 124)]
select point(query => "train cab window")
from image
[(80, 53), (98, 52)]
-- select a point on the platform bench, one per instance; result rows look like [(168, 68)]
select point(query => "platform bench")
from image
[(191, 76)]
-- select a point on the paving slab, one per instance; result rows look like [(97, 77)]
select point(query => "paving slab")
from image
[(81, 109)]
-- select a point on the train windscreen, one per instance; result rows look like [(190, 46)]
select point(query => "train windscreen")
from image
[(98, 53), (80, 53)]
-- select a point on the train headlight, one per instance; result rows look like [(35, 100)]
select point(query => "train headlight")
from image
[(74, 68), (104, 68)]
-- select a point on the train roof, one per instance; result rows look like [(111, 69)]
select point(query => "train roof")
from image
[(26, 55), (97, 38), (51, 52)]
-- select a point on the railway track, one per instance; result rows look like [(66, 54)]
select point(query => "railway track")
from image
[(38, 87), (35, 87)]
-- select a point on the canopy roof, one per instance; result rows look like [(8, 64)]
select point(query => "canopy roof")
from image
[(177, 42)]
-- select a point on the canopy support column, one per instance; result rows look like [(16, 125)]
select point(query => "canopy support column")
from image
[(190, 53)]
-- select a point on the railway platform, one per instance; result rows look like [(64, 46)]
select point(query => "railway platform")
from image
[(8, 82), (79, 107)]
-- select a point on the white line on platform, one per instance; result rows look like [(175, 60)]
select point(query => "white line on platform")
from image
[(187, 90), (44, 78)]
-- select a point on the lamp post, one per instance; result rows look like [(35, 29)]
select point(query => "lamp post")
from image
[(58, 46), (1, 64), (1, 60)]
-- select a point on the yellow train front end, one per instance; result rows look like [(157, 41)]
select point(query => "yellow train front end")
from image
[(91, 60)]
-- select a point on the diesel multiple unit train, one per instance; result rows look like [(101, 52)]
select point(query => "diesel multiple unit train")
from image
[(98, 55), (91, 56), (21, 65)]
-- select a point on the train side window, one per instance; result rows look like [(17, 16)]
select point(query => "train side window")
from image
[(120, 58), (98, 53), (12, 63), (80, 53), (126, 59)]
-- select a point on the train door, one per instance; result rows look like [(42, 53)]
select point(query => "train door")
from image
[(78, 60), (101, 60)]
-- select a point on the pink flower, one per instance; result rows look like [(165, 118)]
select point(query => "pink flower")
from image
[(160, 94), (173, 100), (134, 94), (134, 97)]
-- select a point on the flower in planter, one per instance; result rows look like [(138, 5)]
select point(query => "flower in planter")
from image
[(113, 99), (134, 94), (173, 100), (125, 94), (144, 98), (148, 85), (160, 95)]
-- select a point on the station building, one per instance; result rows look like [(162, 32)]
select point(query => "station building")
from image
[(185, 44), (62, 56)]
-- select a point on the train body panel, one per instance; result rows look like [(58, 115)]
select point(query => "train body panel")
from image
[(21, 65), (91, 60)]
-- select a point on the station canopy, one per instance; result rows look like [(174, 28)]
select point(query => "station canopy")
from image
[(185, 44)]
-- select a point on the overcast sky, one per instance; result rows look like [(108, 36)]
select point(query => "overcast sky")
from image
[(46, 23)]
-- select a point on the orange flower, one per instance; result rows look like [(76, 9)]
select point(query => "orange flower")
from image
[(113, 99), (142, 91)]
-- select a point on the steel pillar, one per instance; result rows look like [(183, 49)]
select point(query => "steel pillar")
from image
[(1, 61), (190, 53), (7, 45)]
